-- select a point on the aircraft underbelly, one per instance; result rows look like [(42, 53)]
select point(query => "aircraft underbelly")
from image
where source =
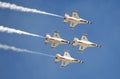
[(74, 20), (65, 59), (54, 41)]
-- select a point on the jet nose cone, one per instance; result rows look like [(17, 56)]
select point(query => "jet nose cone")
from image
[(90, 22), (69, 43), (98, 46), (81, 62)]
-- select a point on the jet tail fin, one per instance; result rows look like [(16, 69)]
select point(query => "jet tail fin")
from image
[(66, 15), (65, 18), (46, 38), (56, 58), (75, 38), (57, 55), (74, 42), (48, 35)]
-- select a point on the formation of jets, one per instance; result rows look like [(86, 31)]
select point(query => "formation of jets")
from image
[(83, 43)]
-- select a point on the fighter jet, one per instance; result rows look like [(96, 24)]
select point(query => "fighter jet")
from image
[(66, 59), (84, 43), (56, 40), (75, 19)]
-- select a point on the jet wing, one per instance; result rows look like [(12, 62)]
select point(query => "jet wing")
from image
[(56, 34), (64, 63), (53, 45), (56, 60), (84, 37), (67, 54), (46, 41), (81, 48), (75, 14), (73, 24)]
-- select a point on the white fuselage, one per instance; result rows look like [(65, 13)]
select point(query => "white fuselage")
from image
[(85, 43), (76, 20), (57, 40), (68, 59)]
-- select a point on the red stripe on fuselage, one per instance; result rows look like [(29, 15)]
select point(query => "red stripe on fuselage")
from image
[(62, 58), (70, 18), (79, 42), (52, 39)]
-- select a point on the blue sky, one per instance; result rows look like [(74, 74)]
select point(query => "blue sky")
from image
[(100, 63)]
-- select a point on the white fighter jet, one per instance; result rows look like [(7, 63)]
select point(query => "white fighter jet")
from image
[(84, 43), (66, 59), (56, 40), (75, 19)]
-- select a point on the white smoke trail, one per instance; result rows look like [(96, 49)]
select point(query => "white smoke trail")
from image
[(24, 9), (12, 30), (7, 47)]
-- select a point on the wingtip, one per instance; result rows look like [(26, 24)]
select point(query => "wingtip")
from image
[(55, 31), (52, 47), (84, 34), (75, 10), (61, 66), (71, 28), (66, 50)]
